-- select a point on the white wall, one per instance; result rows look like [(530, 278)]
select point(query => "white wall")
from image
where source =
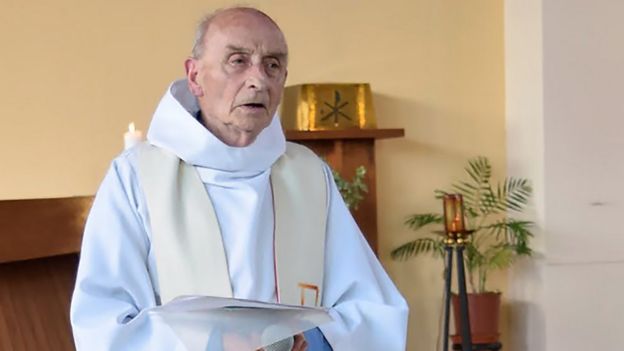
[(565, 118), (584, 110), (525, 157)]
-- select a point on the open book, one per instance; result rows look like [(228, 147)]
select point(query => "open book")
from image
[(206, 323)]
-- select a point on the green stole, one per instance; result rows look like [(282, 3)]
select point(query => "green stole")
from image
[(186, 238)]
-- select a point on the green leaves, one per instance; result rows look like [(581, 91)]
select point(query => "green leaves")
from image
[(514, 193), (352, 191), (512, 232), (418, 221), (481, 198), (498, 239), (500, 256), (480, 170), (418, 246)]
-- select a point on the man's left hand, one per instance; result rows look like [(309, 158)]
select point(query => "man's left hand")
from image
[(300, 343)]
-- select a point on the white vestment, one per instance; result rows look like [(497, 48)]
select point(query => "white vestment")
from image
[(117, 277)]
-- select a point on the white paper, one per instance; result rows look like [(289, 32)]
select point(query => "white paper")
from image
[(206, 323)]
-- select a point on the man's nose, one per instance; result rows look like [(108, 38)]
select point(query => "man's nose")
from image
[(256, 77)]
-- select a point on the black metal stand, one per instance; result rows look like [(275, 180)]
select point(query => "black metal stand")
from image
[(456, 243), (481, 347)]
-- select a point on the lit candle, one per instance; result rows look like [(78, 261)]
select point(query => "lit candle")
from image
[(453, 213), (132, 136)]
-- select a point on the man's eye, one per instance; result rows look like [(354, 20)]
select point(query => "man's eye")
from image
[(274, 65), (236, 61)]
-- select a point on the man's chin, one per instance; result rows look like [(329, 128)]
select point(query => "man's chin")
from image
[(245, 135), (252, 124)]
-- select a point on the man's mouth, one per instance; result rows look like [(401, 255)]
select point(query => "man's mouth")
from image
[(253, 106)]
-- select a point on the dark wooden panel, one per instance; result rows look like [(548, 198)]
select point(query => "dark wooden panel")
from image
[(34, 304), (36, 228)]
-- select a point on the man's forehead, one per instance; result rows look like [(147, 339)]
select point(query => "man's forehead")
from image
[(237, 16)]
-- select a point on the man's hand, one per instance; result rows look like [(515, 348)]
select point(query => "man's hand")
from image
[(300, 343)]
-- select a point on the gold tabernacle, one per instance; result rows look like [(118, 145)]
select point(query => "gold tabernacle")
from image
[(328, 107)]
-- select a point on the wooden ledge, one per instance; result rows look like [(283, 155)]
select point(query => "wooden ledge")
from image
[(36, 228), (345, 134)]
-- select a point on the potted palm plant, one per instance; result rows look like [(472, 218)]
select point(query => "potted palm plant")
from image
[(497, 241)]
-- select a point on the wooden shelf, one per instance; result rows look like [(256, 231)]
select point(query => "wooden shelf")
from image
[(39, 242), (38, 228), (296, 135)]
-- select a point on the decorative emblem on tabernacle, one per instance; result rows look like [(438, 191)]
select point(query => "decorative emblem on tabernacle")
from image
[(327, 107), (335, 109)]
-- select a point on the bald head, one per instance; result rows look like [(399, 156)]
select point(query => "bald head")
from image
[(226, 15), (237, 72)]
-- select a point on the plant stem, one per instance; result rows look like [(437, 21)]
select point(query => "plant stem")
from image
[(471, 280), (482, 279), (475, 237)]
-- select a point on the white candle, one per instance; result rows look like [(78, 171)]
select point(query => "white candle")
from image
[(132, 136)]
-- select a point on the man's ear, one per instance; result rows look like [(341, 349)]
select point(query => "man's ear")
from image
[(191, 67)]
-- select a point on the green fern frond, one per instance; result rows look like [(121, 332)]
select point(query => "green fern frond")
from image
[(489, 203), (514, 193), (500, 256), (417, 247), (480, 170), (471, 212), (519, 236), (418, 221), (469, 192), (439, 194), (512, 232), (473, 257)]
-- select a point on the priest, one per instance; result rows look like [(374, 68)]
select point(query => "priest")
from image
[(217, 203)]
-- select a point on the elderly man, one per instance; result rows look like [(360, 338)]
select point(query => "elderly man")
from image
[(217, 203)]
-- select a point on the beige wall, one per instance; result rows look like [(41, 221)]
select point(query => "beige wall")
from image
[(74, 73)]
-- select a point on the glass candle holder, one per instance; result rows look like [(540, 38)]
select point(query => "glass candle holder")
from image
[(454, 213)]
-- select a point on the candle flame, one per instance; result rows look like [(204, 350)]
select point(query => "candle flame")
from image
[(131, 127)]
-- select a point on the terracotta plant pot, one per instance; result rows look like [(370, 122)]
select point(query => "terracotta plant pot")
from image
[(484, 312)]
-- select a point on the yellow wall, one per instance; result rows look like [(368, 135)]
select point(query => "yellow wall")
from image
[(74, 73)]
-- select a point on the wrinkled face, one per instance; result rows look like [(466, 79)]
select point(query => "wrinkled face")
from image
[(240, 77)]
